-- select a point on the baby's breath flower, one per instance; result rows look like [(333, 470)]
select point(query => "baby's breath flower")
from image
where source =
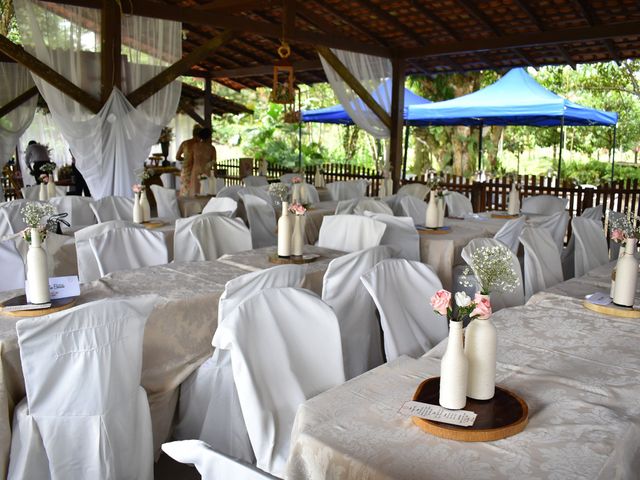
[(279, 190), (34, 212), (491, 265)]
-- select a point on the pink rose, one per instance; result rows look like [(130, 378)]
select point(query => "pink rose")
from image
[(483, 307), (296, 180), (297, 209), (441, 301), (617, 235), (137, 188)]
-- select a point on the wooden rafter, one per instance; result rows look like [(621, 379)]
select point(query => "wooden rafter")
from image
[(387, 17), (234, 6), (16, 102), (592, 19), (344, 18), (189, 110), (111, 44), (307, 65)]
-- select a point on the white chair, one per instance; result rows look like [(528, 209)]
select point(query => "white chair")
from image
[(33, 192), (372, 205), (10, 217), (509, 233), (346, 190), (346, 207), (262, 220), (542, 265), (414, 208), (417, 190), (13, 269), (61, 256), (260, 192), (287, 177), (594, 213), (78, 209), (401, 291), (113, 208), (350, 233), (209, 407), (590, 245), (308, 193), (85, 414), (393, 201), (212, 465), (208, 236), (225, 205), (255, 181), (556, 224), (458, 205), (343, 291), (230, 191), (544, 204), (285, 348), (166, 202), (401, 234)]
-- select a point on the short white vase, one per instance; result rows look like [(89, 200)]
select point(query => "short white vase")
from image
[(295, 193), (431, 220), (146, 208), (480, 347), (51, 187), (453, 371), (297, 239), (204, 186), (626, 275), (37, 271), (284, 232), (213, 184), (318, 178), (514, 201), (43, 195), (138, 216)]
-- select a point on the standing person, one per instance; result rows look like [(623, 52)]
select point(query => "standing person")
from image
[(203, 153), (79, 185), (36, 155), (184, 155)]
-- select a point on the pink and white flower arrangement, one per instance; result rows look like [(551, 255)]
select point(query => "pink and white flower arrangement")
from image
[(297, 209), (618, 235), (44, 178), (296, 179), (623, 227), (137, 188), (479, 307)]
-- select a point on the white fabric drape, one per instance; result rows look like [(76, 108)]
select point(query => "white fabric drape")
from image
[(44, 131), (15, 80), (110, 145)]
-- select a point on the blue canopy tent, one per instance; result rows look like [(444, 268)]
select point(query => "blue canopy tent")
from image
[(515, 99)]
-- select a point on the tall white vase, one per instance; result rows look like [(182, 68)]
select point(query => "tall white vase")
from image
[(213, 184), (453, 371), (297, 238), (51, 187), (284, 232), (626, 275), (480, 346), (295, 193), (37, 271), (204, 187), (431, 220), (440, 204), (138, 216), (514, 201), (43, 195), (146, 208), (318, 178)]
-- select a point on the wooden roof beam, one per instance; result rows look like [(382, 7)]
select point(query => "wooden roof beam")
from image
[(352, 23), (386, 16), (16, 102), (306, 66), (592, 19), (234, 6)]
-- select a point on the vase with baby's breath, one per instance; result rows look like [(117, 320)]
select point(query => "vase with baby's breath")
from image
[(34, 215)]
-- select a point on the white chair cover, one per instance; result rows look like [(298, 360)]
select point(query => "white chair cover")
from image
[(166, 202), (13, 269), (594, 213), (287, 177), (372, 205), (113, 208), (346, 207), (260, 192), (590, 245), (414, 208), (417, 190), (230, 191), (394, 204), (544, 204), (225, 205), (556, 225), (208, 236), (10, 217), (262, 220), (285, 348), (78, 208), (212, 465), (85, 415), (614, 247), (209, 407), (33, 192), (509, 233), (59, 248), (346, 190), (350, 233), (458, 205), (542, 266), (401, 290), (128, 248), (356, 312), (308, 194), (401, 234), (255, 181)]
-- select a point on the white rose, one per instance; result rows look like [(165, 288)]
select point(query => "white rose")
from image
[(462, 299)]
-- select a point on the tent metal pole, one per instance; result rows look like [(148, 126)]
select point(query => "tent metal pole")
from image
[(406, 150), (613, 152), (561, 147), (300, 145), (480, 147)]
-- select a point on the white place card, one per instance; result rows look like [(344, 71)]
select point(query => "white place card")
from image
[(28, 306), (60, 287), (599, 298), (436, 413)]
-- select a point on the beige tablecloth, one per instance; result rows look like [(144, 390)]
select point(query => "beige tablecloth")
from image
[(578, 371)]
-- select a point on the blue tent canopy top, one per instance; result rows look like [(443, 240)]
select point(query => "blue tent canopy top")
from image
[(515, 99)]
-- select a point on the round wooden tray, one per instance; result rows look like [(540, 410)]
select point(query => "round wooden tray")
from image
[(57, 305), (434, 231), (152, 224), (504, 215), (503, 416), (305, 258), (613, 310)]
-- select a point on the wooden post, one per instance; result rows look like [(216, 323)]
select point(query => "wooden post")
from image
[(397, 121), (111, 40), (207, 103)]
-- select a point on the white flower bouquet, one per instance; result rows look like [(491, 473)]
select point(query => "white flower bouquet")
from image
[(492, 268)]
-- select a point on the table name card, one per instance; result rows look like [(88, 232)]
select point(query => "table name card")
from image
[(60, 287), (599, 298), (436, 413)]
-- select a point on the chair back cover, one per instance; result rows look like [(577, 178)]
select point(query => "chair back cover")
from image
[(225, 205), (509, 233), (82, 372), (542, 265), (350, 233), (594, 213), (556, 225), (343, 291), (308, 193), (346, 190), (401, 234), (458, 205), (128, 248), (346, 207), (212, 465), (255, 181), (230, 191), (113, 208), (414, 208), (372, 205), (394, 204), (543, 204), (262, 220), (401, 290), (208, 236), (13, 269), (417, 190), (260, 192), (33, 192), (78, 208), (10, 217), (590, 245), (288, 177), (61, 255), (166, 202), (285, 348)]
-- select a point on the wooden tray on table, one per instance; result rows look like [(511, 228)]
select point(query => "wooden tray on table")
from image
[(305, 258), (57, 305), (434, 231)]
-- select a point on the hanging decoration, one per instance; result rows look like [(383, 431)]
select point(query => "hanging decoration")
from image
[(291, 113), (283, 91)]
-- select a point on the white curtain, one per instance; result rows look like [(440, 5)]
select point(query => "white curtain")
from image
[(14, 81), (111, 145)]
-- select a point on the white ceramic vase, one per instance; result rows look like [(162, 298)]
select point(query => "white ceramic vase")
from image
[(37, 270), (612, 292), (318, 178), (431, 220), (453, 371), (514, 201), (213, 184), (146, 208), (138, 216), (295, 193), (440, 204), (480, 346), (284, 232), (43, 195), (51, 187), (297, 239), (626, 275), (204, 187)]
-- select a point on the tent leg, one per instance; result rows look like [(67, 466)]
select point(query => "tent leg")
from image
[(480, 148), (300, 146), (560, 153), (406, 150), (613, 152)]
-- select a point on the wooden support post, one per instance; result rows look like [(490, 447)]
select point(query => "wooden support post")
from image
[(167, 76), (49, 75), (192, 113), (207, 103), (355, 85), (16, 102), (111, 40), (397, 121)]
